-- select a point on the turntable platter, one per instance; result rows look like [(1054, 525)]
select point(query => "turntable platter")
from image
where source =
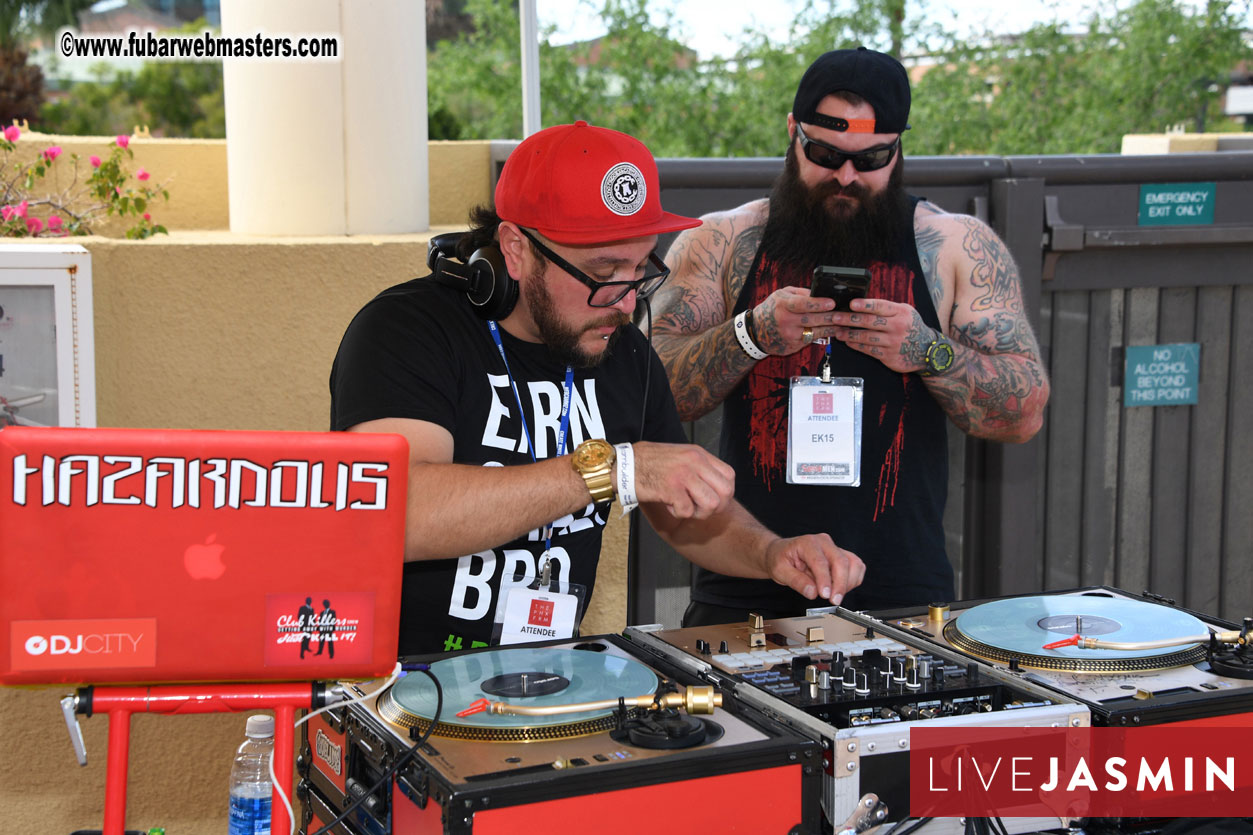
[(1017, 628), (532, 676)]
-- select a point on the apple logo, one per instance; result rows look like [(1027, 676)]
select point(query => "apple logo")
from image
[(204, 562)]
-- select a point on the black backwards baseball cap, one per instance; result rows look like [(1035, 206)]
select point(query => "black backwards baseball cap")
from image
[(875, 76)]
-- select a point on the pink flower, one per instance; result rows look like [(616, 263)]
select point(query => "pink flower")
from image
[(118, 190), (147, 216), (8, 213), (95, 161), (20, 211), (34, 225), (11, 133), (52, 153), (54, 223), (123, 141), (142, 174)]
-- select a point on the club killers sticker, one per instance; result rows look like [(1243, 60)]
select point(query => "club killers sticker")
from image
[(319, 627)]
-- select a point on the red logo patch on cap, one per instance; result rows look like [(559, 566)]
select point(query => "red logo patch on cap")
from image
[(623, 189)]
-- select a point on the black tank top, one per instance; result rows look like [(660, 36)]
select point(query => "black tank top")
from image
[(894, 520)]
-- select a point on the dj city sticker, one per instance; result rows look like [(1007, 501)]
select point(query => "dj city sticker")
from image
[(96, 644), (319, 628)]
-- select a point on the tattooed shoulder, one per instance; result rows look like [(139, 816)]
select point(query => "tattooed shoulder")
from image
[(746, 225), (929, 240)]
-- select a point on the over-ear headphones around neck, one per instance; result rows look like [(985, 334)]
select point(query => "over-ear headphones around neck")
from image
[(483, 278)]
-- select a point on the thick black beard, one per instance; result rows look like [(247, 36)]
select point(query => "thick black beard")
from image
[(802, 229), (561, 339)]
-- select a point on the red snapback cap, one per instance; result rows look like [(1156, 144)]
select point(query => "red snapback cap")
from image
[(580, 184)]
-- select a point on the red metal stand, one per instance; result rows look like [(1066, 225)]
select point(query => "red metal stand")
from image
[(120, 702)]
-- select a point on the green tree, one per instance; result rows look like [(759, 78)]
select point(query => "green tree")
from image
[(21, 83), (1143, 69), (174, 98)]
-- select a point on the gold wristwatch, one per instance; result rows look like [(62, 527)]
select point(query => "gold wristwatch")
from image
[(594, 459)]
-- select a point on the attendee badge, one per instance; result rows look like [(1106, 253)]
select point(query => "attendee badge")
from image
[(541, 610), (538, 615), (824, 431)]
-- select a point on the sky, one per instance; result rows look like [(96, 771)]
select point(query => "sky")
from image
[(712, 27)]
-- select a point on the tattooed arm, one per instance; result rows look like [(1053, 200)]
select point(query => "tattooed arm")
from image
[(996, 387), (693, 332)]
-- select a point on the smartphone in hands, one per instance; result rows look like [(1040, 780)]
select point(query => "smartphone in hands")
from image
[(840, 283)]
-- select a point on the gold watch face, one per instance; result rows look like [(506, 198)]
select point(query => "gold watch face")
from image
[(593, 454)]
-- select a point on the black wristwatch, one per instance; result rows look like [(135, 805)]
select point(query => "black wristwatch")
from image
[(938, 359)]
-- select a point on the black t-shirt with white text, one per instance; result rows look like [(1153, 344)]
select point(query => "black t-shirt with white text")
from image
[(419, 351)]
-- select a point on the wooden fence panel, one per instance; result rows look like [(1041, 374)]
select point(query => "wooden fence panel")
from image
[(1208, 464), (1237, 565), (1064, 497), (1171, 450), (1135, 472)]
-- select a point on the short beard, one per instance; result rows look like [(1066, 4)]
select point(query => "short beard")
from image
[(802, 229), (561, 339)]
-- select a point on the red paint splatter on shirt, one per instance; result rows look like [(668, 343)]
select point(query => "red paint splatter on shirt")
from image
[(768, 383)]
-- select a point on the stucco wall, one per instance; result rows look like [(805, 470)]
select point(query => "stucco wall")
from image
[(209, 330)]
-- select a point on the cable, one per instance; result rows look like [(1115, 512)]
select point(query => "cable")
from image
[(401, 761), (914, 827), (648, 363), (274, 782)]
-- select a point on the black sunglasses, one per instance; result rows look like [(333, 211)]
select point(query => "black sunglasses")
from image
[(608, 293), (828, 156)]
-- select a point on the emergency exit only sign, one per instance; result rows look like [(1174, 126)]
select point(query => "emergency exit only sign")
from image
[(1176, 204), (1162, 375)]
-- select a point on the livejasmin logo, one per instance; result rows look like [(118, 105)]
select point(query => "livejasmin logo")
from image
[(94, 644), (1153, 771)]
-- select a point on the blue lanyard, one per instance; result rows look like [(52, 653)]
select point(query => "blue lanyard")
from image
[(566, 396)]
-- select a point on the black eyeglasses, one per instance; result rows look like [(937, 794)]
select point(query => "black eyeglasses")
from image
[(608, 293), (828, 156)]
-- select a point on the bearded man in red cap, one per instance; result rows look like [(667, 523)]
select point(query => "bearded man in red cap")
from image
[(530, 404), (941, 335)]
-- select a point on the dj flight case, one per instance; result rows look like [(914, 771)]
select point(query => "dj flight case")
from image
[(750, 774)]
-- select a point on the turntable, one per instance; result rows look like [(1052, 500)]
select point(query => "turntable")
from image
[(1134, 660), (567, 737)]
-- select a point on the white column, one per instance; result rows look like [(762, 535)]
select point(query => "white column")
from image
[(319, 147), (532, 120)]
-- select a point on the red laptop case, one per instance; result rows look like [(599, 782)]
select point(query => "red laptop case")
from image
[(147, 556)]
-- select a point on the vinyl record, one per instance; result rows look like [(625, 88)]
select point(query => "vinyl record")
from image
[(531, 676), (1018, 628)]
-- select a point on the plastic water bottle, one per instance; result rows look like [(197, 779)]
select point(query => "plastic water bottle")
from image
[(250, 779)]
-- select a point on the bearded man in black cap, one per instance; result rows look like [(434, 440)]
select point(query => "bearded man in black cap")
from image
[(941, 335)]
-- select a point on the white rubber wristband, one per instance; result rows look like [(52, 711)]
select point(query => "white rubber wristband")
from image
[(746, 341), (624, 477)]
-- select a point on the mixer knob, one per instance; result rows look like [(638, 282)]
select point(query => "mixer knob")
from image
[(824, 680), (863, 685), (850, 678)]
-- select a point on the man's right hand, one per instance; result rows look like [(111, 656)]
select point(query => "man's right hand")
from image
[(690, 482), (780, 321)]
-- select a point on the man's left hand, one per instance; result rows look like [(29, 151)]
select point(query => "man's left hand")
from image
[(891, 332), (814, 566)]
